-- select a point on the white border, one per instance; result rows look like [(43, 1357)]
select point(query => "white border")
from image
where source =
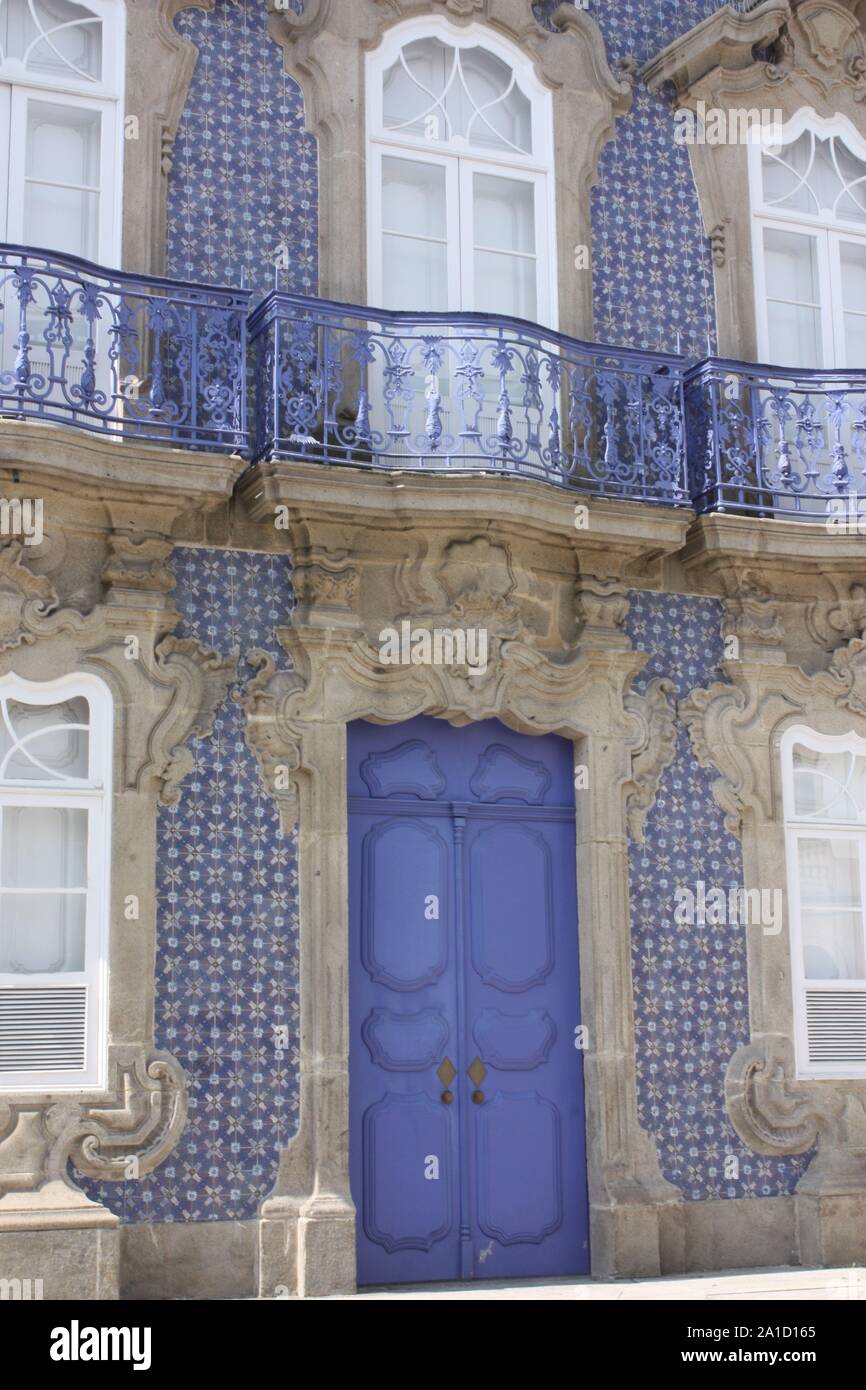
[(379, 141), (827, 232), (108, 96), (794, 829), (96, 793)]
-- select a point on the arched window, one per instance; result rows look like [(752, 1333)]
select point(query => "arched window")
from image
[(55, 802), (61, 93), (824, 784), (809, 222), (460, 184)]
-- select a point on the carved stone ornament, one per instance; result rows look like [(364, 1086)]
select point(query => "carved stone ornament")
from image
[(657, 710), (758, 65), (736, 727), (125, 1136), (296, 725), (725, 39), (160, 65), (730, 724), (325, 50), (164, 690)]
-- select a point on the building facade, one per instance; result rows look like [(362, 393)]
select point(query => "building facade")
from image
[(432, 641)]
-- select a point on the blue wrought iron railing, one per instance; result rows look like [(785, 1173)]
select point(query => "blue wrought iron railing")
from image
[(156, 359), (128, 355), (463, 392), (773, 441)]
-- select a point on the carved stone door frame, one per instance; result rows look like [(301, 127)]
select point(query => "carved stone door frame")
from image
[(296, 723)]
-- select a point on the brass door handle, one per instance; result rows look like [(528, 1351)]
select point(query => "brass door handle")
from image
[(446, 1071), (477, 1072)]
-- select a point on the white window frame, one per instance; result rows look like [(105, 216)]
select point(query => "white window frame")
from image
[(18, 85), (828, 232), (93, 793), (537, 168), (797, 828)]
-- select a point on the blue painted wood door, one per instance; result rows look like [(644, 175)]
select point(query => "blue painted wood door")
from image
[(467, 1139)]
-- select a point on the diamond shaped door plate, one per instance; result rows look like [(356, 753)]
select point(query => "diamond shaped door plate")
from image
[(477, 1072), (446, 1071)]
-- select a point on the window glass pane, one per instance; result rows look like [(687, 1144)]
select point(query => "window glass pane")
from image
[(62, 161), (831, 913), (496, 112), (852, 257), (41, 932), (504, 213), (457, 96), (413, 197), (785, 171), (791, 266), (505, 285), (414, 88), (829, 873), (41, 743), (62, 143), (52, 37), (414, 274), (794, 335), (818, 177), (793, 297), (829, 786), (414, 251), (62, 219), (832, 945), (43, 847)]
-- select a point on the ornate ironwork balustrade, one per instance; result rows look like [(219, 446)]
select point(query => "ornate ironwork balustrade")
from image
[(460, 393), (772, 441), (127, 355)]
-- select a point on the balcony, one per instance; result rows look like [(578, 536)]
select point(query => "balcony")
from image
[(159, 361), (465, 393), (126, 356), (774, 442)]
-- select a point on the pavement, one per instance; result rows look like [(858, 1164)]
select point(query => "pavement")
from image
[(766, 1286)]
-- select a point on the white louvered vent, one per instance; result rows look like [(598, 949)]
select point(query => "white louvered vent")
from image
[(43, 1029), (836, 1025)]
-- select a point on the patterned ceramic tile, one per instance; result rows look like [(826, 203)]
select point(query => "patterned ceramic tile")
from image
[(226, 973), (243, 181), (690, 983)]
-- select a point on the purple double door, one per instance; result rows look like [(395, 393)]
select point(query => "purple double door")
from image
[(467, 1140)]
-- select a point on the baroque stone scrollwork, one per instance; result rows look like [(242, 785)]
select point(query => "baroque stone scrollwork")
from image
[(165, 689), (126, 1135), (736, 727), (657, 711), (771, 1115)]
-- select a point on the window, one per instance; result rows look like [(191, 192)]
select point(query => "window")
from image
[(460, 189), (824, 782), (809, 223), (61, 88), (55, 798)]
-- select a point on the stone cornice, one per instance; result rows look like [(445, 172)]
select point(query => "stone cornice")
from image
[(621, 538), (795, 559), (725, 39), (91, 465)]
